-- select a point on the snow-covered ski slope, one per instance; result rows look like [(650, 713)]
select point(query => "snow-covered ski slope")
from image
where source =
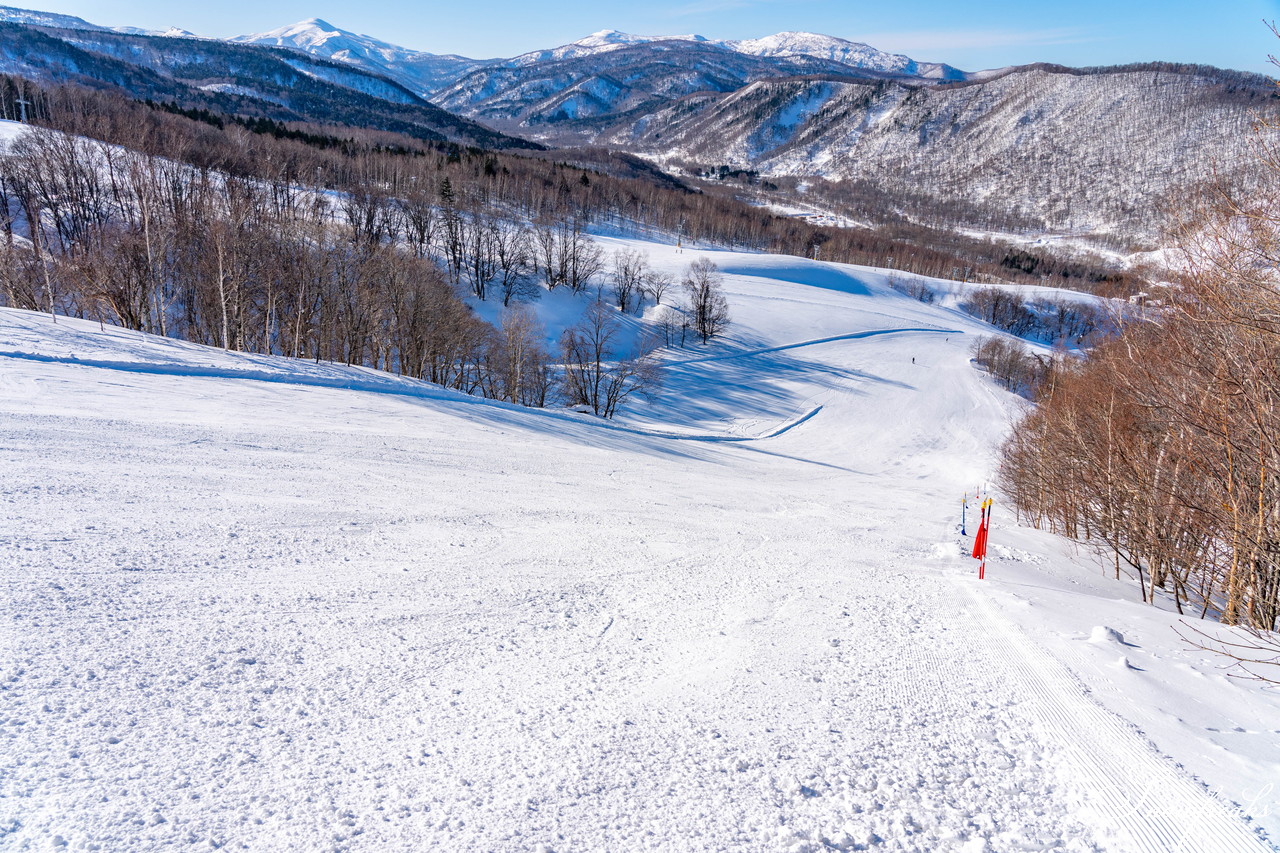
[(269, 605)]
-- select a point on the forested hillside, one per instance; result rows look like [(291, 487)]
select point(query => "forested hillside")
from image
[(827, 124), (1097, 153), (244, 80), (142, 187)]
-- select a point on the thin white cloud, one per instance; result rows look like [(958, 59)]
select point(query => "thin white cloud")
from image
[(926, 40)]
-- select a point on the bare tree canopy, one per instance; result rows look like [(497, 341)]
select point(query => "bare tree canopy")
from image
[(707, 302), (1163, 446), (593, 376)]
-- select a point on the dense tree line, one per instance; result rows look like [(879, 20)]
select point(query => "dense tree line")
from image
[(362, 274), (160, 246), (598, 188), (525, 186), (163, 247), (1058, 322), (1164, 445), (1014, 366)]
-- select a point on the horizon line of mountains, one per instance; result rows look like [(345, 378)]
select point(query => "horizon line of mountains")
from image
[(406, 65), (1096, 151)]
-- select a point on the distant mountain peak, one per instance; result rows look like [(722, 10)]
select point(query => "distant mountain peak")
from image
[(604, 37), (419, 71), (856, 54), (316, 35), (32, 18), (172, 32), (791, 43), (602, 41)]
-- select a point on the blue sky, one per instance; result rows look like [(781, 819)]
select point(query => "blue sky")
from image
[(1227, 33)]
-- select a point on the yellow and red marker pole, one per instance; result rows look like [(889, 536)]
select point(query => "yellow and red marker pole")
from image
[(980, 540)]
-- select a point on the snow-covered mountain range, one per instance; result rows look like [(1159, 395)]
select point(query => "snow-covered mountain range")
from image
[(430, 71), (1033, 146), (226, 77), (324, 39), (32, 17), (431, 74), (787, 44), (420, 71)]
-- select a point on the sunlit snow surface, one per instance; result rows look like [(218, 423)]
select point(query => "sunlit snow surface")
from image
[(274, 605)]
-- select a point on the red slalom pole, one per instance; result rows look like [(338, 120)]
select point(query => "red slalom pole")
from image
[(980, 540)]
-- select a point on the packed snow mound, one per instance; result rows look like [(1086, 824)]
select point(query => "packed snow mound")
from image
[(1103, 634)]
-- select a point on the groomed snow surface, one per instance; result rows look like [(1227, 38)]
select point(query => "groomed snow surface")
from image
[(270, 605)]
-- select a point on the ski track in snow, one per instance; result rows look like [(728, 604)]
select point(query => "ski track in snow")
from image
[(852, 336), (409, 388), (341, 611), (1154, 807)]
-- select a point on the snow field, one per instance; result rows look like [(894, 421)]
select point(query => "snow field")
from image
[(337, 610)]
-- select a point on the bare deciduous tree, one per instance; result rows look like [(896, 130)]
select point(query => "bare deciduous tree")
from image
[(513, 259), (630, 271), (593, 376), (1163, 447), (523, 370), (707, 303), (656, 285)]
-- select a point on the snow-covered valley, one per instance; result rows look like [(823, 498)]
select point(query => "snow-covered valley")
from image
[(264, 604)]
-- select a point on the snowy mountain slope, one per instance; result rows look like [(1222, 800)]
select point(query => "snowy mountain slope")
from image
[(1041, 147), (788, 44), (420, 71), (31, 17), (596, 43), (570, 100), (841, 50), (235, 79), (241, 611)]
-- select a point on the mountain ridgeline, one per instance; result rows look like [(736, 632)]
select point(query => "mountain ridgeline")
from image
[(1100, 153), (231, 78), (883, 138)]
